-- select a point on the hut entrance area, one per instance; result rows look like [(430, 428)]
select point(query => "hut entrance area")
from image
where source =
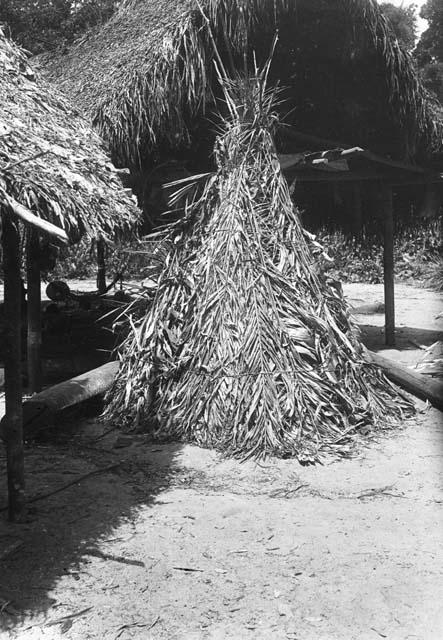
[(166, 541)]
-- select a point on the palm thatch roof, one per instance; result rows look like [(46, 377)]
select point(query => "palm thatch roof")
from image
[(244, 347), (146, 77), (51, 162)]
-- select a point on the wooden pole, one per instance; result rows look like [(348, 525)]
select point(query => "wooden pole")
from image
[(101, 265), (13, 429), (40, 409), (34, 338), (27, 216), (388, 264), (424, 387)]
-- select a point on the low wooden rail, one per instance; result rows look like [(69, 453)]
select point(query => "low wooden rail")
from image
[(421, 386)]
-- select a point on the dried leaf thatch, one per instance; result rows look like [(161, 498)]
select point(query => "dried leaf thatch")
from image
[(146, 77), (244, 347), (50, 159)]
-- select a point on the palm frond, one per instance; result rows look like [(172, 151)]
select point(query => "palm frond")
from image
[(244, 347)]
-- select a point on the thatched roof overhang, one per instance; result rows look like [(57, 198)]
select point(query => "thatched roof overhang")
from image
[(53, 168), (56, 179), (147, 76), (354, 165)]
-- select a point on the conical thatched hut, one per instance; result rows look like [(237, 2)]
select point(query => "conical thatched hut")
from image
[(147, 80), (245, 347), (57, 181), (146, 77)]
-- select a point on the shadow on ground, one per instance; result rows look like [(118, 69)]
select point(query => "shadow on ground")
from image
[(406, 338), (64, 530)]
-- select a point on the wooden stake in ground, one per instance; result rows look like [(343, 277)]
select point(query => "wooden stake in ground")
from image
[(388, 264), (13, 384), (34, 312), (101, 266)]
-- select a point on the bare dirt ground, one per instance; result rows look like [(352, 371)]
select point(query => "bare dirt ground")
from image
[(174, 542)]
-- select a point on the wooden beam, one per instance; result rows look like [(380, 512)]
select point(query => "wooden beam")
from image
[(28, 217), (331, 144), (101, 265), (306, 159), (13, 420), (40, 409), (388, 264), (34, 335), (424, 387), (304, 175)]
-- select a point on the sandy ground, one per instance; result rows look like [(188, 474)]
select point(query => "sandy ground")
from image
[(174, 542)]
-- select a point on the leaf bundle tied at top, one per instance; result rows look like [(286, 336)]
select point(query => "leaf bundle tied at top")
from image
[(245, 347)]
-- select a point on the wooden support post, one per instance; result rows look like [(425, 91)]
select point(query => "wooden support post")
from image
[(388, 264), (13, 430), (34, 338), (101, 266)]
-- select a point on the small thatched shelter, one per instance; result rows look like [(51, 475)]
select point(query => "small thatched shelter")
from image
[(51, 161), (147, 77), (57, 181), (245, 347)]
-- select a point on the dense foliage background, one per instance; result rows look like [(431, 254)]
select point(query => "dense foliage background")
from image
[(428, 53), (42, 25)]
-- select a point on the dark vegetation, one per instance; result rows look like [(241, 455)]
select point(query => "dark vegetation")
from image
[(418, 252), (403, 21), (428, 53), (43, 25), (79, 261), (429, 50), (418, 256)]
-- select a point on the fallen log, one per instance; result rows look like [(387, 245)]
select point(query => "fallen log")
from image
[(420, 386), (40, 409)]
